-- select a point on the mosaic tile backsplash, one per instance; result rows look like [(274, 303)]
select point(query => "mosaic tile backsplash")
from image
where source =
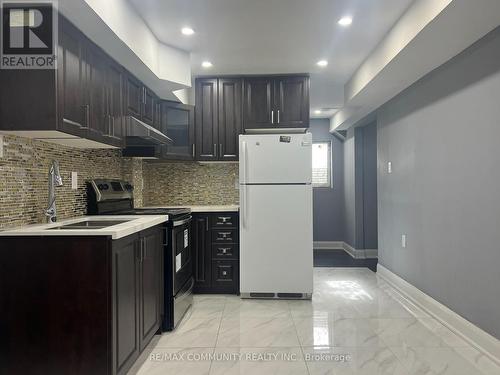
[(24, 181), (188, 183)]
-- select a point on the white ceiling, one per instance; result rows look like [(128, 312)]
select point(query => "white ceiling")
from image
[(276, 36)]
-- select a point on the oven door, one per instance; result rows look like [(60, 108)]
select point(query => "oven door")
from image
[(182, 263)]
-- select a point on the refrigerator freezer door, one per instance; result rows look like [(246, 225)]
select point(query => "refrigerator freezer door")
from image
[(276, 159), (276, 254)]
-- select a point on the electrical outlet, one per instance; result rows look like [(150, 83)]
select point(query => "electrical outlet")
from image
[(403, 241), (389, 167), (74, 180)]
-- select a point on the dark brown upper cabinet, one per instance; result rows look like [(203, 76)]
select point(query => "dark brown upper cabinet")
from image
[(149, 106), (292, 102), (79, 101), (141, 102), (230, 128), (206, 119), (114, 90), (95, 93), (258, 102), (276, 102), (134, 96), (177, 121), (218, 118), (73, 111)]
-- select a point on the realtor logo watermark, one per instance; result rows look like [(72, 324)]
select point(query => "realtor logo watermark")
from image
[(29, 35)]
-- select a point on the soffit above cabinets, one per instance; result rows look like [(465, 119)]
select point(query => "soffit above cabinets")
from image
[(115, 26)]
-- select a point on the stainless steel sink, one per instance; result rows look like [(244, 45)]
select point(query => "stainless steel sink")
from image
[(91, 224)]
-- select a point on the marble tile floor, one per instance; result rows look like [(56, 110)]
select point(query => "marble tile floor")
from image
[(355, 324)]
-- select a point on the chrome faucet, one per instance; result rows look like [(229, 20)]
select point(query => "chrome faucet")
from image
[(55, 179)]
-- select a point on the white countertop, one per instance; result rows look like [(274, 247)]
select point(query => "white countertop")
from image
[(220, 208), (136, 224)]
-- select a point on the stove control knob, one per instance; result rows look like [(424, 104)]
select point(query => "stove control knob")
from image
[(129, 187), (100, 187), (105, 187)]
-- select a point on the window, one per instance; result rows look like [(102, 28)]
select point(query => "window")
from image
[(321, 164)]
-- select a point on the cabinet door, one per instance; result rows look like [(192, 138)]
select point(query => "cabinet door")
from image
[(148, 113), (258, 103), (150, 290), (225, 275), (95, 94), (229, 118), (73, 113), (114, 82), (177, 121), (206, 119), (292, 102), (202, 257), (125, 297), (133, 96)]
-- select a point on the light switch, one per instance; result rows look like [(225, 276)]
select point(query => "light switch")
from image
[(403, 241), (389, 167), (74, 180)]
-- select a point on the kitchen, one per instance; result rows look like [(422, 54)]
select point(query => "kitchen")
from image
[(161, 198)]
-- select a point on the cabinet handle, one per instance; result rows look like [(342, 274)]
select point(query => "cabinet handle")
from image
[(143, 251), (193, 150), (86, 112), (278, 116), (224, 249), (206, 223), (215, 149), (272, 116), (220, 149)]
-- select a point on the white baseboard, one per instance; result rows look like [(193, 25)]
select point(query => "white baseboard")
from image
[(341, 245), (328, 245), (360, 253), (478, 338)]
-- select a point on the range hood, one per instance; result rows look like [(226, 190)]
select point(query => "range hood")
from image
[(142, 152), (141, 134)]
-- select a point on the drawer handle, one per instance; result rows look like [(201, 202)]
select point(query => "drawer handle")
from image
[(224, 218), (224, 250)]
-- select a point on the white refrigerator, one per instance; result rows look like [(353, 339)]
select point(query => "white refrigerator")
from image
[(276, 236)]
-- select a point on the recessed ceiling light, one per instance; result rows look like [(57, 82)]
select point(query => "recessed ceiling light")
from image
[(206, 64), (187, 31), (345, 21), (322, 63), (317, 112)]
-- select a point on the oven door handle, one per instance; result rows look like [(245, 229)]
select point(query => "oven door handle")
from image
[(182, 222)]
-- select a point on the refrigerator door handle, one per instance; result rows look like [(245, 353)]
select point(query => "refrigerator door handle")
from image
[(243, 187)]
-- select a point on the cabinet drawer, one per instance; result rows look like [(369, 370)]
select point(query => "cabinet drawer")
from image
[(224, 220), (224, 272), (225, 235), (225, 251)]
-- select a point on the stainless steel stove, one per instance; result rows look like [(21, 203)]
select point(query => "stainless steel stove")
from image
[(115, 197)]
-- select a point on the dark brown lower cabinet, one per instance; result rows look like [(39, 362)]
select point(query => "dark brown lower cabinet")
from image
[(216, 252), (78, 305)]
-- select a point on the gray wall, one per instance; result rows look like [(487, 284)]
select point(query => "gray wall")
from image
[(442, 136), (328, 203), (360, 187), (349, 189), (369, 186)]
